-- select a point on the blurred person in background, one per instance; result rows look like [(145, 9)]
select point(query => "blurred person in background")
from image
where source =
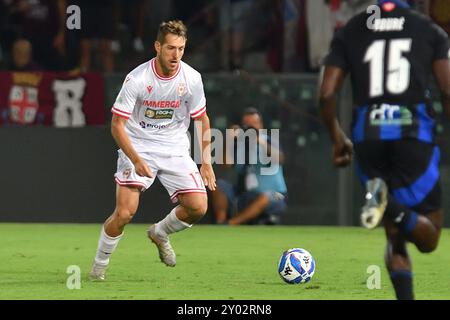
[(22, 57), (438, 10), (6, 37), (234, 24), (97, 30), (130, 15), (255, 198), (42, 22)]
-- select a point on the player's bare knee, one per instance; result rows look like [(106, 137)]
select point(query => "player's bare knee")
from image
[(124, 214), (199, 209), (428, 247)]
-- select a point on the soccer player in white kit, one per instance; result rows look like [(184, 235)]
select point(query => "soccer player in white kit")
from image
[(151, 117)]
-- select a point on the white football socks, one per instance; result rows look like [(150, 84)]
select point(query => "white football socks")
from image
[(170, 224), (106, 246)]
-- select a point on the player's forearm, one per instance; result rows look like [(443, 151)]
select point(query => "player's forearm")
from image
[(328, 113), (330, 83), (123, 141), (203, 128), (445, 99), (441, 70)]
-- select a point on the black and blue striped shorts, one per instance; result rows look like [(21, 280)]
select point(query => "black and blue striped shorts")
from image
[(409, 167)]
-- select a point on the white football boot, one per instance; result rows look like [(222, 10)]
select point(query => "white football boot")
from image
[(166, 253), (376, 202), (98, 272)]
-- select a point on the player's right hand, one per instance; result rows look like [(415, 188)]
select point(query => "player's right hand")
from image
[(142, 169), (342, 152)]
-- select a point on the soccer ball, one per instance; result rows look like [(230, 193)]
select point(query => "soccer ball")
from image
[(296, 266)]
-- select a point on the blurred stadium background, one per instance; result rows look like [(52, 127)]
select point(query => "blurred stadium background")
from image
[(263, 53)]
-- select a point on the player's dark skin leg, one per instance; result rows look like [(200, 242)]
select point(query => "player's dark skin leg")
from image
[(397, 260), (127, 201), (427, 231), (425, 236)]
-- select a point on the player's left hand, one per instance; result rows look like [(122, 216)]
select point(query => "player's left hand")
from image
[(208, 176)]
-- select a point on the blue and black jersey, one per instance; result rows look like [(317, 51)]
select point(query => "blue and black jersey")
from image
[(389, 57)]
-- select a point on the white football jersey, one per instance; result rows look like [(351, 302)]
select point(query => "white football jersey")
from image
[(159, 109)]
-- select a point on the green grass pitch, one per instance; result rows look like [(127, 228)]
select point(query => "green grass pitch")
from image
[(213, 262)]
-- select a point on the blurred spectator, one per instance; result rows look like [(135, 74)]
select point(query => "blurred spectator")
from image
[(320, 31), (22, 57), (43, 23), (233, 23), (130, 14), (256, 197), (438, 10), (324, 17), (138, 18), (294, 46), (4, 43), (274, 36), (344, 10), (201, 16), (97, 29), (287, 36)]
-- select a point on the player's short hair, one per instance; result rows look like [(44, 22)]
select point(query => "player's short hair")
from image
[(176, 27)]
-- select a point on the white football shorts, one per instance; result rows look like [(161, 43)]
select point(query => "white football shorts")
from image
[(178, 174)]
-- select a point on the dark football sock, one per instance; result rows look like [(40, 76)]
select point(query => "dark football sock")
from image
[(402, 216), (402, 282)]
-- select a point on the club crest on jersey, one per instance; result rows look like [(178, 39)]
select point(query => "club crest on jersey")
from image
[(126, 173), (181, 89), (158, 114)]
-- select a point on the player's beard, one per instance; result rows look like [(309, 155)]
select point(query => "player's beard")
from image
[(173, 65), (166, 67)]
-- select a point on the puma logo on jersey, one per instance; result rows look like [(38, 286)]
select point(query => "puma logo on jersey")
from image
[(388, 24)]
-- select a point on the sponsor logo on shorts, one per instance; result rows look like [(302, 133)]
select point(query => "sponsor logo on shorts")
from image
[(159, 114)]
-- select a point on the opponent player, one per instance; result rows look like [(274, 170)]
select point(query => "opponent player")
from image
[(150, 121), (390, 59)]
